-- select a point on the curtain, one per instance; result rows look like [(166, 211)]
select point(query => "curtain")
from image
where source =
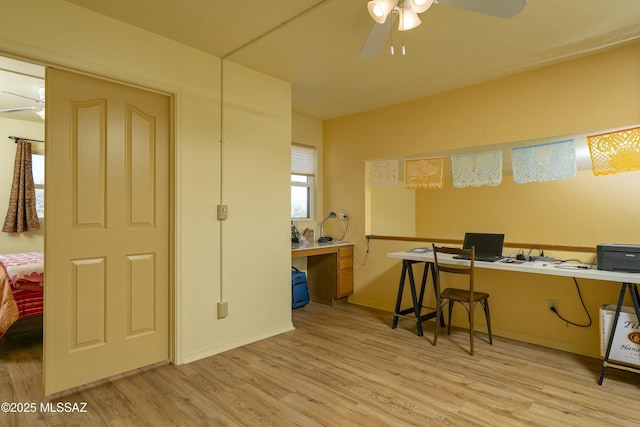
[(21, 214)]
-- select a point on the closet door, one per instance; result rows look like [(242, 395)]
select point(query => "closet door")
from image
[(107, 229)]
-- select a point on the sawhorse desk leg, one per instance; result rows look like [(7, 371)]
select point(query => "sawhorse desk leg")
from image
[(633, 290), (417, 299)]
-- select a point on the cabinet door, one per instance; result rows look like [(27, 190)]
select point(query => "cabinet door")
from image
[(345, 272), (345, 283)]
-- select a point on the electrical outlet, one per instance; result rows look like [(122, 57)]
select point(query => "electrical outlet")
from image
[(223, 212), (553, 303), (223, 309), (341, 214)]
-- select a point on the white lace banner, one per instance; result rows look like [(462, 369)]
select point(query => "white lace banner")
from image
[(424, 173), (477, 169), (381, 173), (544, 162)]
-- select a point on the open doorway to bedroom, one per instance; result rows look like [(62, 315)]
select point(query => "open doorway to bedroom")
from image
[(22, 101), (136, 164)]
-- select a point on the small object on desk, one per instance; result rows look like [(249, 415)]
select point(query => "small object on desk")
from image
[(295, 234), (309, 234), (573, 267), (512, 261), (420, 250)]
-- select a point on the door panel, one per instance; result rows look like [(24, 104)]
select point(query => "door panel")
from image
[(88, 163), (107, 234), (88, 301)]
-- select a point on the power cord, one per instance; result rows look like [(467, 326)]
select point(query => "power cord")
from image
[(366, 255), (346, 228), (555, 310)]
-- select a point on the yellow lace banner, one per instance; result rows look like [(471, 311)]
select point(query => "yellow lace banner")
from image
[(424, 173), (615, 152)]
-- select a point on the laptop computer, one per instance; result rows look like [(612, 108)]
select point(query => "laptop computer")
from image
[(488, 246)]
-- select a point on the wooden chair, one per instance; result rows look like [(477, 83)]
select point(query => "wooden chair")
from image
[(467, 297)]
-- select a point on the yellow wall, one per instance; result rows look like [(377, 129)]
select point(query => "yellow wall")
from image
[(587, 94), (16, 242), (579, 211), (244, 260)]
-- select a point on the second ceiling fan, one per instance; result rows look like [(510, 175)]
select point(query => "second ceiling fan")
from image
[(38, 110)]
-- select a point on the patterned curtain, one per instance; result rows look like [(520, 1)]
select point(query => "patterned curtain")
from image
[(21, 214)]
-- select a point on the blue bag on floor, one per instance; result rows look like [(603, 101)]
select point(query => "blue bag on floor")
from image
[(299, 288)]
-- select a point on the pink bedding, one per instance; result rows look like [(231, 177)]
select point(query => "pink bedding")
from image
[(24, 269), (21, 287)]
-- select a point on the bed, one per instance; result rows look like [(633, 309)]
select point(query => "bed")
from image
[(21, 291)]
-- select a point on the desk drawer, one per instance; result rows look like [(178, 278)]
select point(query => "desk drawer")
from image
[(345, 263), (345, 251)]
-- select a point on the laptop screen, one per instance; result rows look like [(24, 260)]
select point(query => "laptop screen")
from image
[(486, 244)]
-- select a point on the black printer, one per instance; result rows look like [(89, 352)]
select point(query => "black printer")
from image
[(618, 257)]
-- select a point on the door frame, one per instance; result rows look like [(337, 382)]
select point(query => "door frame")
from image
[(173, 92)]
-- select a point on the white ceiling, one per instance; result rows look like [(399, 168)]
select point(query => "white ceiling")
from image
[(315, 44)]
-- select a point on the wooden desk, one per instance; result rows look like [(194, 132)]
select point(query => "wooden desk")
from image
[(629, 282), (329, 270)]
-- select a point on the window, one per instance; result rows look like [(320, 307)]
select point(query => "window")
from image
[(303, 171), (37, 166)]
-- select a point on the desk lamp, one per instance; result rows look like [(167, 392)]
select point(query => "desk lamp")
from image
[(322, 238)]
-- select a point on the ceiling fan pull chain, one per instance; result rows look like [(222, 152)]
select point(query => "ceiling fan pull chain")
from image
[(392, 49), (404, 51)]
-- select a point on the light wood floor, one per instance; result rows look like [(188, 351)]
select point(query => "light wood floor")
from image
[(342, 366)]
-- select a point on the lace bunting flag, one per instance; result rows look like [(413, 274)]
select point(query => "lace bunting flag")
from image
[(544, 162), (424, 173), (381, 173), (477, 169), (615, 152)]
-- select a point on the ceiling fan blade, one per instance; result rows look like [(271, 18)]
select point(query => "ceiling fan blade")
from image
[(500, 8), (377, 37), (15, 110), (39, 101)]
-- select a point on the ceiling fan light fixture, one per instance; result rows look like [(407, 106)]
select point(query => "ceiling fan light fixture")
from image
[(421, 5), (379, 9), (40, 113), (408, 18)]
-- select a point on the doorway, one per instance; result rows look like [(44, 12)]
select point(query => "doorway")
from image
[(106, 176)]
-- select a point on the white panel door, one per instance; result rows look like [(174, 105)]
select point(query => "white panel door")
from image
[(107, 230)]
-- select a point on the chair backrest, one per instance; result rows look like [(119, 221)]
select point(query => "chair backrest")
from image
[(441, 266)]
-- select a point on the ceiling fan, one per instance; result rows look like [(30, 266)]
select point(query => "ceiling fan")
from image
[(386, 12), (38, 110)]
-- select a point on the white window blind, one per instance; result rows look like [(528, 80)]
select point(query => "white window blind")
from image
[(303, 160)]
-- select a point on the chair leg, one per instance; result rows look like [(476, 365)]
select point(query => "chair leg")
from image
[(436, 329), (471, 316), (450, 313), (485, 305)]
